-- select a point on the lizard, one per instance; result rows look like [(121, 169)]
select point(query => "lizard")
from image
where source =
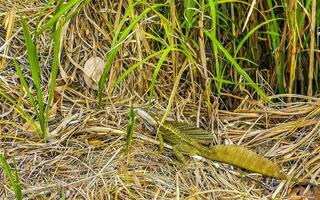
[(188, 140)]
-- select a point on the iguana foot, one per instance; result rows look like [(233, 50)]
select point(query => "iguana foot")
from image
[(182, 149)]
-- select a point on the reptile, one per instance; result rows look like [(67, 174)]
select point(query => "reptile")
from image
[(188, 140)]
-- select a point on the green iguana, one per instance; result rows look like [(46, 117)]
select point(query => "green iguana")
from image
[(188, 140)]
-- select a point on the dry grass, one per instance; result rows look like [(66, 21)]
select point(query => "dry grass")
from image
[(84, 157)]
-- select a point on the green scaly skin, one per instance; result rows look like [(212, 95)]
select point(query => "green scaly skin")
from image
[(231, 154), (181, 144), (239, 156)]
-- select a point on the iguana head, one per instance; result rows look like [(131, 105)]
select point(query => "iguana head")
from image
[(150, 123)]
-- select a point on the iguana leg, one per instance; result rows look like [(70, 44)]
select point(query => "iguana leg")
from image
[(180, 149), (161, 145)]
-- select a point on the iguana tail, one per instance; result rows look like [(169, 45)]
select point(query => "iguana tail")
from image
[(242, 157)]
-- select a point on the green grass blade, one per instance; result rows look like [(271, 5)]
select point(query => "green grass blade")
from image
[(227, 81), (58, 7), (41, 13), (241, 71), (35, 73), (23, 114), (26, 86), (247, 60), (46, 7), (57, 15), (105, 72), (115, 47), (131, 26), (130, 128), (190, 13), (55, 67), (302, 14), (269, 33), (279, 57), (213, 37), (72, 13), (136, 65), (18, 190), (251, 32), (156, 71), (122, 22), (24, 83), (14, 181)]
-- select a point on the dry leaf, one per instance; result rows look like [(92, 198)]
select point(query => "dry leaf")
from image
[(93, 69)]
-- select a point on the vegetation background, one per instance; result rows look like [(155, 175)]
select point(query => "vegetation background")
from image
[(248, 71)]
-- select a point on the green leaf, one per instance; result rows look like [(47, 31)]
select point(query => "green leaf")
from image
[(136, 65), (190, 13), (25, 86), (117, 41), (35, 73), (14, 181), (63, 10), (241, 71), (156, 71), (213, 37), (251, 32), (54, 70), (130, 128), (23, 114)]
